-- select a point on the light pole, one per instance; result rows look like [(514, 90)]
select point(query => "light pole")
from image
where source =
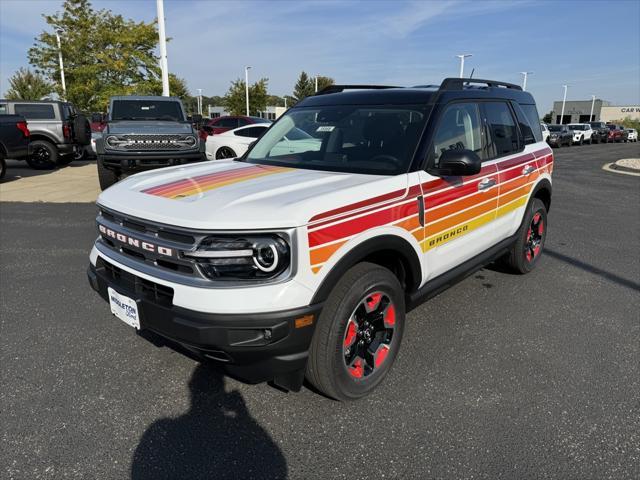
[(593, 101), (462, 57), (199, 100), (524, 79), (164, 65), (285, 102), (316, 83), (64, 86), (246, 87), (564, 100)]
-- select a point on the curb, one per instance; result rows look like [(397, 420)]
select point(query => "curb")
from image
[(612, 167)]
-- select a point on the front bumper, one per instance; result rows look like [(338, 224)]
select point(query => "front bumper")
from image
[(136, 161), (253, 347)]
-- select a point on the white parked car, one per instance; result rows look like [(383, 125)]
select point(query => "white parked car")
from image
[(545, 131), (633, 135), (234, 143), (582, 132)]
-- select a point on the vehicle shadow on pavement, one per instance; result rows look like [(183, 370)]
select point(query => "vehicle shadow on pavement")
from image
[(18, 169), (216, 439)]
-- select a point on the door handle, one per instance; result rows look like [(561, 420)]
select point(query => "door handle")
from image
[(528, 169), (486, 183)]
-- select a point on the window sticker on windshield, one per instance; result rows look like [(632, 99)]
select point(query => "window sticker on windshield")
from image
[(325, 128)]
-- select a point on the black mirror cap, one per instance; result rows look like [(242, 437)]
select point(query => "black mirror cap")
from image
[(196, 118), (456, 163)]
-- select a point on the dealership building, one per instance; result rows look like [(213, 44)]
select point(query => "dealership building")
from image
[(578, 111)]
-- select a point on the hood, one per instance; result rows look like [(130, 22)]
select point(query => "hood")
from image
[(230, 195), (124, 127)]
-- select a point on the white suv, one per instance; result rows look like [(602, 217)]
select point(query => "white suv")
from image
[(582, 133), (302, 258)]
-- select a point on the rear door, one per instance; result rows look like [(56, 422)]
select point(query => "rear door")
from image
[(459, 211), (511, 144)]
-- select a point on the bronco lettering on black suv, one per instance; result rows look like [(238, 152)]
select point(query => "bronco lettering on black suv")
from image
[(302, 258)]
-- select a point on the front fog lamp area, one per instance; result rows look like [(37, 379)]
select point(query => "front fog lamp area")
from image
[(226, 258)]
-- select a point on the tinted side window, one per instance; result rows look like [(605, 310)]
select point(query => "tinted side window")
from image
[(35, 111), (227, 122), (503, 132), (459, 129), (253, 132), (529, 123), (242, 122), (3, 108)]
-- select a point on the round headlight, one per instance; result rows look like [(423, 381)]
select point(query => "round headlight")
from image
[(266, 257), (112, 141), (190, 140)]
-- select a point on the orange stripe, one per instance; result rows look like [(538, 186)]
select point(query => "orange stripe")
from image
[(512, 195), (195, 189), (167, 188), (409, 223), (460, 218), (322, 254), (457, 205)]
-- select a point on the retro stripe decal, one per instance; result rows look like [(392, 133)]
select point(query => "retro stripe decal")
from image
[(452, 209), (203, 183)]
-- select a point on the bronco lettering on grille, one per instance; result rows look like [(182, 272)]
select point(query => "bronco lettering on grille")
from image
[(134, 242)]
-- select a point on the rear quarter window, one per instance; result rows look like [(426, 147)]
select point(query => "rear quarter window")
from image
[(35, 111), (531, 115)]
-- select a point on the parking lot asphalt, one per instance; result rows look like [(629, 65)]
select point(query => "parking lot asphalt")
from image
[(501, 376)]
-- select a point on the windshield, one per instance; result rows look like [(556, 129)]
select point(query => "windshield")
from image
[(555, 128), (147, 110), (577, 127), (370, 139)]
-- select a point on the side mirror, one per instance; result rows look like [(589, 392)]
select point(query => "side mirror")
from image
[(456, 163), (196, 118)]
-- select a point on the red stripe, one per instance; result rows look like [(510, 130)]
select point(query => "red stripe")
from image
[(189, 182), (363, 203), (529, 157), (360, 224)]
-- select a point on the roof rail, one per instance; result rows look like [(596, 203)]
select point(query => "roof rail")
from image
[(459, 83), (340, 88)]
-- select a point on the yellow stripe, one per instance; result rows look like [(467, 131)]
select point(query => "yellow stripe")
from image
[(199, 188)]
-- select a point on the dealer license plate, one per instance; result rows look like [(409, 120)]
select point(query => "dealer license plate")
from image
[(125, 308)]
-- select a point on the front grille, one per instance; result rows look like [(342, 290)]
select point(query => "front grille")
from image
[(154, 142), (178, 241), (150, 290)]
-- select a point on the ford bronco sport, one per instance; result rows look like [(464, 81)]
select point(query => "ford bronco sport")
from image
[(143, 133), (302, 258)]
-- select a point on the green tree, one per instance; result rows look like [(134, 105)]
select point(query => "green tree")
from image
[(26, 85), (304, 87), (104, 54), (548, 118), (324, 82), (235, 99), (177, 87)]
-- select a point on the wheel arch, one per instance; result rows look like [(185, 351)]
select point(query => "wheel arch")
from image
[(43, 136), (389, 251), (543, 190)]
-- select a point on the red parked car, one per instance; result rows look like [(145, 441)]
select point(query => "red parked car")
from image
[(217, 125), (617, 133)]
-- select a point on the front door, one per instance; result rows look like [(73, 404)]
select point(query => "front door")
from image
[(459, 211)]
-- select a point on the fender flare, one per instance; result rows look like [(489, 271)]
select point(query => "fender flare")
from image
[(43, 136), (404, 249), (543, 184)]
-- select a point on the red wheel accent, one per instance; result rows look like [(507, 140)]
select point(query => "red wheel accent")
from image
[(350, 336), (357, 368), (390, 316), (373, 301), (541, 227), (381, 354), (535, 237)]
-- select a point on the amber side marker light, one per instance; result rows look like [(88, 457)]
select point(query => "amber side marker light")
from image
[(304, 321)]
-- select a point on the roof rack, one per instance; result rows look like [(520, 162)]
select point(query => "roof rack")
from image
[(459, 83), (340, 88)]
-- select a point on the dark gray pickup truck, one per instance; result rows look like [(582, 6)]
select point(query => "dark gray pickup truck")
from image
[(14, 140), (143, 133)]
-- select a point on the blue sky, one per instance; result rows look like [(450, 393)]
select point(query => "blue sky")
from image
[(392, 42)]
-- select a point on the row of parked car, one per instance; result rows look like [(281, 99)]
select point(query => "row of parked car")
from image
[(590, 132)]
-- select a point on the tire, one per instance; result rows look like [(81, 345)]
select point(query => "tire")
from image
[(591, 141), (3, 166), (225, 152), (367, 302), (44, 155), (581, 141), (106, 176), (527, 249), (82, 130)]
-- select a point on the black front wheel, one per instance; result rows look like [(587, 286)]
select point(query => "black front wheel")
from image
[(106, 176), (358, 334), (44, 155), (225, 152), (3, 166)]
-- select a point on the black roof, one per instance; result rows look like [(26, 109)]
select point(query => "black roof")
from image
[(451, 88)]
